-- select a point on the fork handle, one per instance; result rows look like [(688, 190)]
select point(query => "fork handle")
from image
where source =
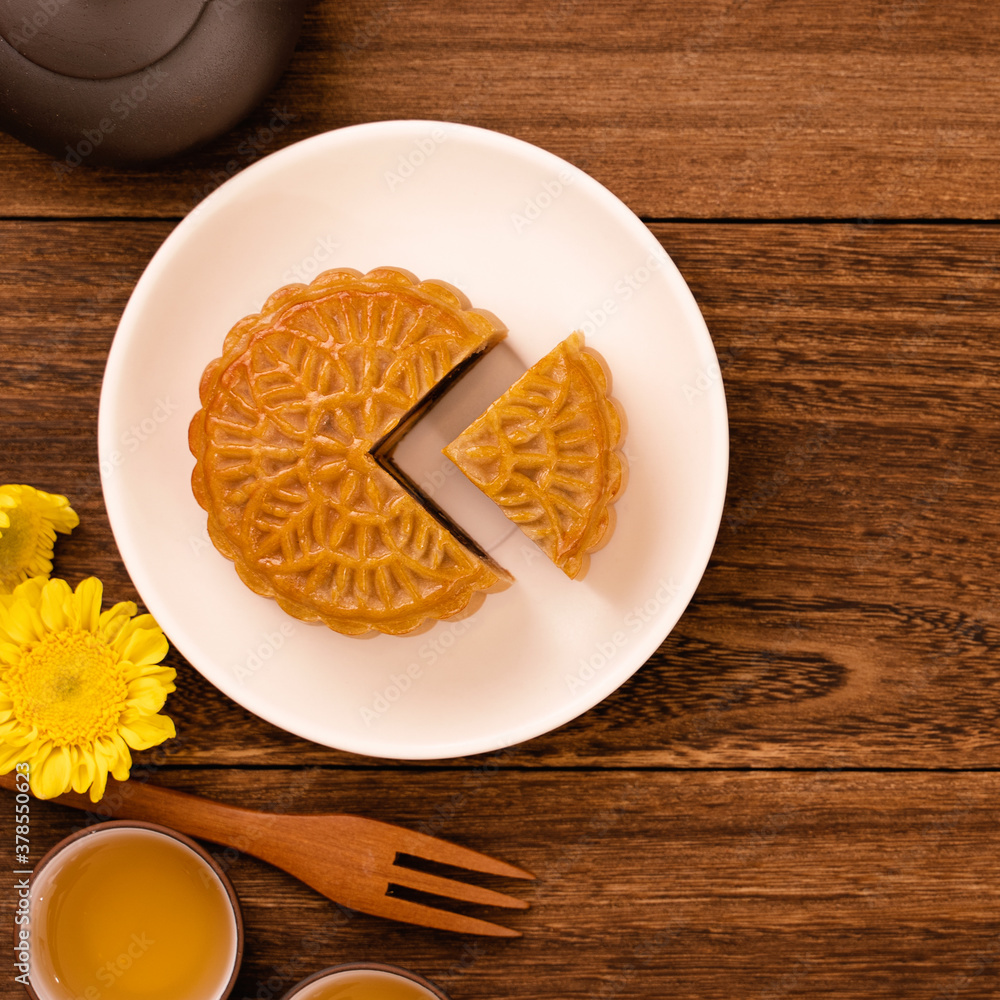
[(189, 814)]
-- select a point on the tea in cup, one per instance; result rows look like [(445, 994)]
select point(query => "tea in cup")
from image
[(129, 910), (372, 981)]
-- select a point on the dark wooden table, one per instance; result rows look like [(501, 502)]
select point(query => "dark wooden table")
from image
[(797, 796)]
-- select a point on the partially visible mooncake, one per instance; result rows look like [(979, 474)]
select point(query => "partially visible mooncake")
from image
[(546, 452), (287, 446)]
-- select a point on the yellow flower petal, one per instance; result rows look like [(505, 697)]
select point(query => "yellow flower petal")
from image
[(145, 646), (22, 623), (84, 773), (52, 605), (105, 752), (17, 735), (115, 619), (123, 759), (11, 755), (86, 609), (137, 624), (145, 733), (36, 762), (100, 782), (152, 671), (54, 775), (9, 653), (145, 695), (64, 519), (144, 621)]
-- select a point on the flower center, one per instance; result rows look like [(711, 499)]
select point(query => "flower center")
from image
[(70, 686), (17, 546)]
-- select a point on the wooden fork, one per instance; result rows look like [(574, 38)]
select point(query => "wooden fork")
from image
[(349, 859)]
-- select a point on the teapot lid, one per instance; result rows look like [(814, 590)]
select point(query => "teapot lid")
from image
[(97, 39)]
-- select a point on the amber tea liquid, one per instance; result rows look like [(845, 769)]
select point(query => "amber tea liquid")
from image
[(364, 984), (130, 914)]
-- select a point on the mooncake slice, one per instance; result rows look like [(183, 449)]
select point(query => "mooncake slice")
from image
[(288, 443), (546, 452)]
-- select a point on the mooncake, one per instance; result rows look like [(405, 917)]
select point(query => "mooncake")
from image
[(298, 417), (547, 453)]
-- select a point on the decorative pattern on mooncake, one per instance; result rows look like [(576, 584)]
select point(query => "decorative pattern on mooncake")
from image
[(546, 452), (303, 395)]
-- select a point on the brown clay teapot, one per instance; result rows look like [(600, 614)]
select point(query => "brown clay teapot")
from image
[(131, 81)]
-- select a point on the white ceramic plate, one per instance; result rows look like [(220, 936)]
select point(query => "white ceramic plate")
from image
[(547, 249)]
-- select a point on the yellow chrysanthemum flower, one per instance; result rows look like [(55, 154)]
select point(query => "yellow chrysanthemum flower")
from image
[(78, 687), (29, 520)]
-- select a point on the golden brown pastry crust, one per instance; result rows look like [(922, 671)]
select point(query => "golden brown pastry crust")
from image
[(546, 452), (291, 412)]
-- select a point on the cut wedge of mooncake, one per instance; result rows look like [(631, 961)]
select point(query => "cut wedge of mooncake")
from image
[(546, 452), (297, 418)]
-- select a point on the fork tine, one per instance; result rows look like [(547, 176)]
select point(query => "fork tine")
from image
[(453, 889), (423, 845), (428, 916)]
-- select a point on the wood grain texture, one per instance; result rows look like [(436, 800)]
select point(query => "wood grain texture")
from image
[(848, 617), (722, 108), (718, 827), (700, 886)]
